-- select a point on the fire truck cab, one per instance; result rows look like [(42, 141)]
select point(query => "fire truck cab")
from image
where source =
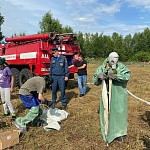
[(30, 55)]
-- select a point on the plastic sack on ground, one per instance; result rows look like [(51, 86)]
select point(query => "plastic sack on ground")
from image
[(52, 117)]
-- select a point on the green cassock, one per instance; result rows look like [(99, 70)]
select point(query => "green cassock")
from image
[(113, 118)]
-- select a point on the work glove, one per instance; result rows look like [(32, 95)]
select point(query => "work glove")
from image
[(47, 102), (101, 76), (111, 74)]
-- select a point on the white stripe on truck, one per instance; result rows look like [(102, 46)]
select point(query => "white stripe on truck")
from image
[(10, 57), (28, 55)]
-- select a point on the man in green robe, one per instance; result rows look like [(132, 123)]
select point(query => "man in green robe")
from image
[(113, 76)]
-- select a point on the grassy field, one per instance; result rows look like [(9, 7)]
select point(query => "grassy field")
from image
[(81, 130)]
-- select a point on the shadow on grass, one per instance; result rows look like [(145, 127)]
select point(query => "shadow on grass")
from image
[(69, 96), (146, 141), (20, 108), (87, 89), (71, 84), (15, 96), (2, 125), (146, 117)]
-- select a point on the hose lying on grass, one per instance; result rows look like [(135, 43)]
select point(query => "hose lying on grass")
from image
[(138, 98), (148, 103)]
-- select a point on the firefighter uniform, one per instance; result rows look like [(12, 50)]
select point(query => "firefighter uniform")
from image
[(59, 70)]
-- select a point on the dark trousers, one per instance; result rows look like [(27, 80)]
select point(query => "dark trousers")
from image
[(59, 83)]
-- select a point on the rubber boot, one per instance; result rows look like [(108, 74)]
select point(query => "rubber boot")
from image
[(32, 115)]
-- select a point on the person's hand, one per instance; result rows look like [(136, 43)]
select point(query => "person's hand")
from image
[(111, 74), (11, 90), (71, 66), (66, 79), (101, 76)]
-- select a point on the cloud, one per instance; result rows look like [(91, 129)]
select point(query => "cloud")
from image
[(143, 4), (87, 16), (108, 9), (71, 3), (28, 4), (93, 15), (134, 29), (24, 18), (84, 18)]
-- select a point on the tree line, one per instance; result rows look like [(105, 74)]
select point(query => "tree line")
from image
[(98, 46)]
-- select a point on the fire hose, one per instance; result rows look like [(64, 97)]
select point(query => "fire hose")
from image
[(142, 100), (138, 98)]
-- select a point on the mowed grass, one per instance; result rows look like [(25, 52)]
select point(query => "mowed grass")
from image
[(81, 130)]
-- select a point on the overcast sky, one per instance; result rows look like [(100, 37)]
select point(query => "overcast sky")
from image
[(88, 16)]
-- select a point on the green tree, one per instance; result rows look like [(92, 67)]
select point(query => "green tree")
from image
[(1, 22), (118, 47), (146, 39), (95, 45), (15, 35), (67, 29), (139, 41), (106, 45), (87, 48), (81, 41), (128, 48), (49, 24), (141, 57)]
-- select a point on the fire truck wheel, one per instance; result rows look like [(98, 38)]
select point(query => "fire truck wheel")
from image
[(25, 74), (15, 73)]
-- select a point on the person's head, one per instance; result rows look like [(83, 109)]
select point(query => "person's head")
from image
[(2, 62), (55, 52), (113, 59), (49, 81), (80, 57)]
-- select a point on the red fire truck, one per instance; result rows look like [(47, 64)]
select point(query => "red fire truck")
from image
[(30, 55)]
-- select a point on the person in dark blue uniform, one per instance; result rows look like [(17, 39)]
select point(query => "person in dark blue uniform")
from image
[(60, 73)]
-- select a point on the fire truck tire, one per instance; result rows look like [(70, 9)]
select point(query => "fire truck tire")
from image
[(15, 73), (25, 74)]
